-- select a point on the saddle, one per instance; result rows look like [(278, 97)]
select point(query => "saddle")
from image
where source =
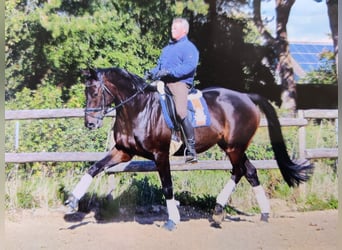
[(198, 112)]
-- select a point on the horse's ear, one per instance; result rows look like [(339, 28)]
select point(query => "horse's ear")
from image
[(90, 73), (85, 72)]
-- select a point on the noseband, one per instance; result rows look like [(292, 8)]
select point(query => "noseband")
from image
[(103, 109)]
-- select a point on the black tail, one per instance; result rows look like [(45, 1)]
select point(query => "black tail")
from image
[(292, 173)]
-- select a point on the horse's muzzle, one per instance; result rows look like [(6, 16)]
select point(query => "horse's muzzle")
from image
[(92, 123)]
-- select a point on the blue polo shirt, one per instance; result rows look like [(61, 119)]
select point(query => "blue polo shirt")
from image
[(180, 58)]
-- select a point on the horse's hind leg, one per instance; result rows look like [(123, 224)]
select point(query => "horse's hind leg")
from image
[(252, 177), (223, 197), (243, 168)]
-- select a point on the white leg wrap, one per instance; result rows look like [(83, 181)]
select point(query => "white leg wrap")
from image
[(228, 189), (82, 186), (173, 210), (261, 198)]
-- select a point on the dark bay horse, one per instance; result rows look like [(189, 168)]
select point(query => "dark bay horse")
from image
[(140, 129)]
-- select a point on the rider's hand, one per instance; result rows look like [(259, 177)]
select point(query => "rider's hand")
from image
[(148, 76), (162, 73)]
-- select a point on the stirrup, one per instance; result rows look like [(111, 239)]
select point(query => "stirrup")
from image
[(190, 157)]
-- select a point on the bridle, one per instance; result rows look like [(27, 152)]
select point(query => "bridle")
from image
[(103, 108)]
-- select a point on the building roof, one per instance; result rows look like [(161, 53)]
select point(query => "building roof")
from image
[(306, 56)]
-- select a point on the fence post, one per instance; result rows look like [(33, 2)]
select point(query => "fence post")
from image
[(336, 129), (300, 191), (16, 137), (301, 137)]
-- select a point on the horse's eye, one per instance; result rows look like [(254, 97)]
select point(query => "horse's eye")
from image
[(93, 92)]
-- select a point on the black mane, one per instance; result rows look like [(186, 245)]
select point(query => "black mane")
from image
[(136, 80)]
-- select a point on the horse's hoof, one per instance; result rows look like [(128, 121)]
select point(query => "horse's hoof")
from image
[(218, 215), (169, 225), (72, 204), (264, 217)]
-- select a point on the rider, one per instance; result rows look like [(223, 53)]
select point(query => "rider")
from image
[(176, 67)]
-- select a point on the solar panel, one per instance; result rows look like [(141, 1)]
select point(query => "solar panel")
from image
[(307, 55)]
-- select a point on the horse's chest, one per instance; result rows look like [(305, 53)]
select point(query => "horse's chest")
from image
[(129, 135)]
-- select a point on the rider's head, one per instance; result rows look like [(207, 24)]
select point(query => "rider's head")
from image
[(179, 28)]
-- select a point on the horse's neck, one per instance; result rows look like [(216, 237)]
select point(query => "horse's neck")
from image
[(143, 103)]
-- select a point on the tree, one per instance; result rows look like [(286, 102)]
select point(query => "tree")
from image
[(280, 45), (332, 6), (51, 41), (25, 59), (231, 53)]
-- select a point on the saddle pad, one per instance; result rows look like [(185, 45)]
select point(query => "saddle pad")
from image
[(165, 111), (198, 110)]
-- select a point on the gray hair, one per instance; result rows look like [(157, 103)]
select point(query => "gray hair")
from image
[(184, 23)]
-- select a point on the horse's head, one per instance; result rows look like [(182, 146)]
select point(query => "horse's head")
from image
[(105, 86), (98, 98)]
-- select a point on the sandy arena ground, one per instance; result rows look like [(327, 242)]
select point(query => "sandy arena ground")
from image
[(42, 229)]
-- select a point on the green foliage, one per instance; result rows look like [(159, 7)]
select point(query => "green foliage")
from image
[(203, 202), (51, 41), (325, 74), (194, 188), (53, 135), (77, 96), (48, 97), (26, 199), (322, 134), (215, 153), (143, 190), (260, 152), (20, 49), (261, 149), (313, 202)]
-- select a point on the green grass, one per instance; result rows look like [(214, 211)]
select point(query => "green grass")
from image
[(193, 188)]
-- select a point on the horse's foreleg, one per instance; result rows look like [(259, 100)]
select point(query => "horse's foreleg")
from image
[(112, 158), (263, 202), (167, 188)]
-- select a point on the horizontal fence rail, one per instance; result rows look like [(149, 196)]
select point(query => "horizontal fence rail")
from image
[(144, 165), (31, 114), (131, 166), (79, 113)]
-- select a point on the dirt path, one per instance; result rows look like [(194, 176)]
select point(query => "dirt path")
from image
[(48, 230)]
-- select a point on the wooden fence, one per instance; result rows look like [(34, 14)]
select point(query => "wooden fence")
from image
[(176, 164)]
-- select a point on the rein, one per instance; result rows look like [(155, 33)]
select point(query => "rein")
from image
[(103, 103)]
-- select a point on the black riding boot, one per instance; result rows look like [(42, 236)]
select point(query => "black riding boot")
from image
[(189, 133)]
